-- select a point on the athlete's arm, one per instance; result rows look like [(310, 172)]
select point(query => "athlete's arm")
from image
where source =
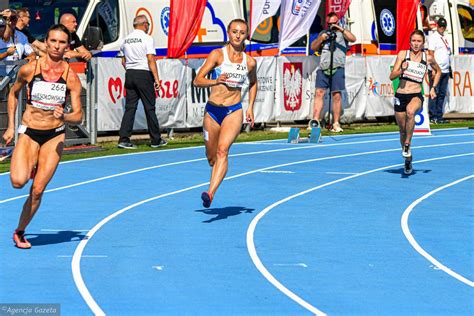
[(210, 63), (74, 86), (21, 81), (252, 65), (436, 77), (397, 68)]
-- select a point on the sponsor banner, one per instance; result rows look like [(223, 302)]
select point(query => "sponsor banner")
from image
[(379, 87), (355, 97), (385, 21), (296, 19), (263, 108), (262, 10), (337, 6), (171, 96), (294, 91), (461, 87), (110, 94), (170, 102), (196, 97)]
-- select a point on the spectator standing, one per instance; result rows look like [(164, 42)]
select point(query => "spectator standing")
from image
[(141, 81), (341, 38), (440, 50), (76, 49)]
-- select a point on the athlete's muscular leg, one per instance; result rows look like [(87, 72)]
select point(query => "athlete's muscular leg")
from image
[(48, 160), (229, 131)]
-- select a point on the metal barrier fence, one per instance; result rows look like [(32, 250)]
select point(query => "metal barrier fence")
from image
[(85, 133)]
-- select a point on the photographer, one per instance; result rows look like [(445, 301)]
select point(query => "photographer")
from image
[(334, 44), (13, 45)]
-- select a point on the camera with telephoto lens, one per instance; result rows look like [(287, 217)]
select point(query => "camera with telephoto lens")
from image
[(7, 15)]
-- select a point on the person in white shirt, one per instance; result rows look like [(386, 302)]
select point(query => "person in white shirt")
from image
[(141, 81), (440, 50)]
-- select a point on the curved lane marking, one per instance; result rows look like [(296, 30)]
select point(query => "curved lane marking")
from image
[(417, 247), (76, 260), (251, 231)]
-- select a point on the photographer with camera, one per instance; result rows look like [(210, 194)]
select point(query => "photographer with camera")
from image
[(333, 44), (13, 45)]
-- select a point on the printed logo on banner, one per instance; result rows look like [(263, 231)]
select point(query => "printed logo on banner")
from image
[(165, 19), (292, 83), (296, 7), (115, 89), (379, 89), (387, 22)]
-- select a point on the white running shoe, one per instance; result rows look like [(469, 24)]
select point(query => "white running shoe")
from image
[(406, 152)]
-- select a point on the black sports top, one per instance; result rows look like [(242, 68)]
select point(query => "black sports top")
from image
[(47, 95), (415, 71)]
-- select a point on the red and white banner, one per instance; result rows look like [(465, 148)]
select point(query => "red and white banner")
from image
[(296, 18), (264, 106), (260, 10), (184, 23), (170, 102), (406, 22), (337, 6), (295, 87)]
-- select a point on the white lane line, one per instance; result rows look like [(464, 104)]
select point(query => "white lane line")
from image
[(242, 143), (202, 159), (251, 231), (85, 256), (417, 247), (64, 230), (76, 260), (277, 171), (341, 173), (303, 265), (148, 152)]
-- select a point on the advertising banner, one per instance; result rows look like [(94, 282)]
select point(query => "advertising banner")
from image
[(170, 101), (196, 97), (294, 92), (461, 87), (379, 87), (264, 106)]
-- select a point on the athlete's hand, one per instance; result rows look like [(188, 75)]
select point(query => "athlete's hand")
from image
[(404, 66), (432, 93), (8, 136), (221, 79), (249, 117), (59, 112)]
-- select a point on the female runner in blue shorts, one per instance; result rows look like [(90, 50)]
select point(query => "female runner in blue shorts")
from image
[(411, 67), (223, 119), (41, 134)]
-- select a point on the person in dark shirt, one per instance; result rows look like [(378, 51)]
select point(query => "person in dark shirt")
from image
[(22, 26), (76, 49)]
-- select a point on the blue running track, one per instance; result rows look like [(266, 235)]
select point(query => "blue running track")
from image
[(332, 228)]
